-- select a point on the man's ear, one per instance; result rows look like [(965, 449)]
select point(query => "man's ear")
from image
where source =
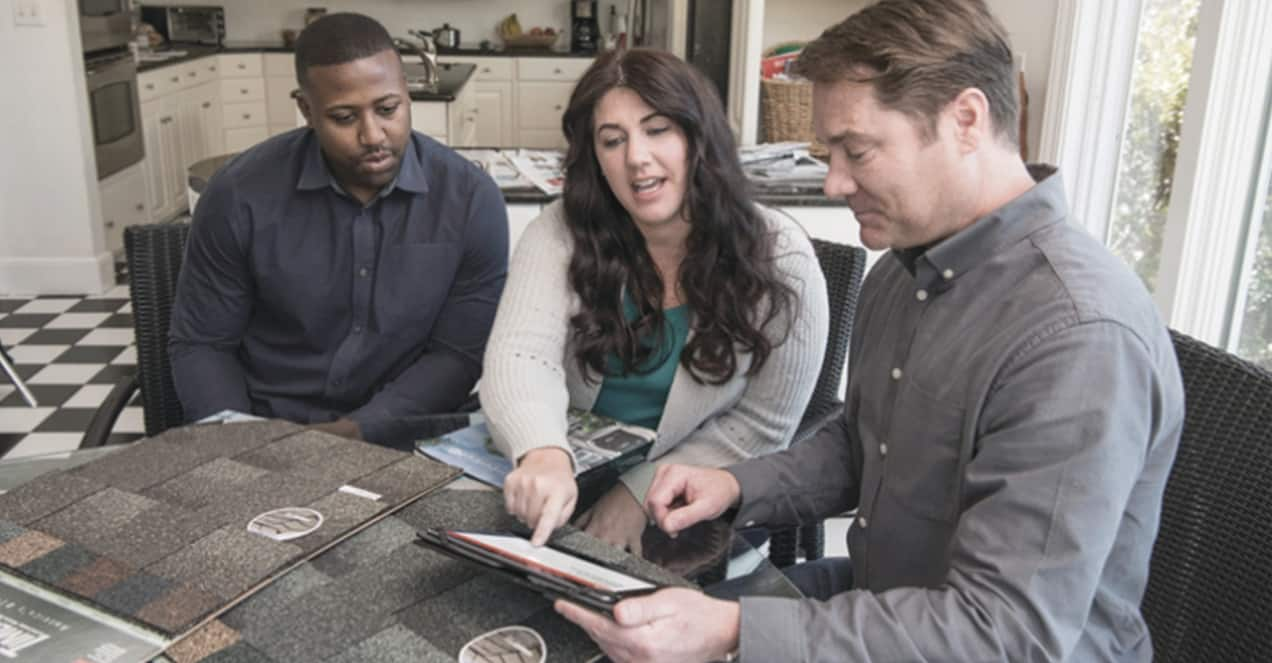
[(969, 112)]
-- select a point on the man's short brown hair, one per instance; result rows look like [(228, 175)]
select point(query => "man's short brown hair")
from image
[(919, 55)]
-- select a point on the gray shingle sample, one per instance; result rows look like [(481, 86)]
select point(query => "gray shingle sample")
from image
[(143, 464), (407, 478), (210, 482), (276, 598), (58, 564), (396, 644), (96, 577), (566, 642), (303, 448), (95, 518), (484, 603), (345, 463), (199, 645), (273, 491), (374, 543), (132, 594), (239, 652), (341, 512), (153, 534), (460, 509), (178, 609), (317, 627), (226, 562), (404, 576), (46, 494), (10, 530), (230, 439)]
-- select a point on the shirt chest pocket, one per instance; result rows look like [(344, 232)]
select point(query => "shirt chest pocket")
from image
[(923, 454), (413, 283)]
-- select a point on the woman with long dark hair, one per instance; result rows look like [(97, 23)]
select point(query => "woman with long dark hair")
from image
[(657, 293)]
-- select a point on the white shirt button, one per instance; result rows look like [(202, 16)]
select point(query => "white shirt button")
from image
[(947, 274), (896, 374), (862, 522), (363, 272), (883, 449), (749, 523), (921, 295)]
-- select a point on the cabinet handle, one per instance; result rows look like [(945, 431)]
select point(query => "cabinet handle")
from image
[(150, 86), (485, 70), (165, 120), (243, 90), (242, 66), (141, 207), (247, 116), (558, 71), (558, 107), (207, 104), (176, 79), (192, 74), (110, 224)]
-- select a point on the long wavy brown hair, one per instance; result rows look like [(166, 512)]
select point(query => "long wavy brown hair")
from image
[(728, 278)]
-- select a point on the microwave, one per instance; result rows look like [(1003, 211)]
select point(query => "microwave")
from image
[(187, 24)]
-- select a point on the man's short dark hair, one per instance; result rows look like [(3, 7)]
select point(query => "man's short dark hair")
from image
[(919, 55), (337, 39)]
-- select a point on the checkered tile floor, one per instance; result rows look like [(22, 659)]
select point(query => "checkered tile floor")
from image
[(70, 351)]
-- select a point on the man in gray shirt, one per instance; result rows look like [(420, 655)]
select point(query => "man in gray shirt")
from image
[(1013, 405)]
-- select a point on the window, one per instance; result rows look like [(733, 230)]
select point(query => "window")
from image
[(1150, 143), (1254, 314)]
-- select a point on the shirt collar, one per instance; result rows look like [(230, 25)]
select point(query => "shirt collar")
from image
[(315, 174), (938, 266)]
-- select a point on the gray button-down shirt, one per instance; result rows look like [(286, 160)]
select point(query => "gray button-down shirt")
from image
[(1013, 409)]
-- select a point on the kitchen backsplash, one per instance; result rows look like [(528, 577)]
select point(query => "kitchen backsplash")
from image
[(256, 21)]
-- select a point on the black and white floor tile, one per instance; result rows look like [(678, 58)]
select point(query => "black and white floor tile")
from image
[(71, 351)]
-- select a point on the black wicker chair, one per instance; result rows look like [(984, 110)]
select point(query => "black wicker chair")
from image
[(154, 252), (1209, 595), (844, 267)]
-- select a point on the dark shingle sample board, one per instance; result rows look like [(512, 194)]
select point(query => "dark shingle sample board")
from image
[(378, 597), (157, 532)]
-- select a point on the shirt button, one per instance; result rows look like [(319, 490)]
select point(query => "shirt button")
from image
[(896, 374), (363, 272), (947, 274), (862, 522), (883, 449), (921, 295), (749, 523), (357, 329)]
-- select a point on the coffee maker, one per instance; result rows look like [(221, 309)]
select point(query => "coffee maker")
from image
[(585, 27)]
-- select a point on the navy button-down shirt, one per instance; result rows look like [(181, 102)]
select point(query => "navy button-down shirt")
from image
[(299, 302)]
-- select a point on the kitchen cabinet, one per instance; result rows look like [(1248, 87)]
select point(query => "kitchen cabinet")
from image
[(519, 101), (280, 80), (451, 123), (162, 165), (123, 197), (244, 111), (494, 98)]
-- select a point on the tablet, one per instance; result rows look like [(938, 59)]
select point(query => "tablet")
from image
[(554, 572)]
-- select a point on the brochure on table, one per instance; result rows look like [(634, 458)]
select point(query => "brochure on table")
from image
[(40, 626)]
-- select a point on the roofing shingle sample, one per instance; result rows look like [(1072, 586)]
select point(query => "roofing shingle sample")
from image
[(37, 499), (95, 518), (346, 463), (405, 478), (55, 565), (10, 530), (239, 652), (130, 595), (484, 603), (315, 628), (178, 608), (227, 562), (303, 448), (461, 509), (143, 464), (207, 483), (276, 598), (396, 644), (566, 642), (27, 547), (209, 639), (341, 512), (95, 577), (153, 534)]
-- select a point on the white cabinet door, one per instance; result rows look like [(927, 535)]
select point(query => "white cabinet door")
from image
[(541, 104), (123, 204), (494, 113), (209, 100), (430, 118), (170, 143), (282, 108), (193, 146), (152, 165)]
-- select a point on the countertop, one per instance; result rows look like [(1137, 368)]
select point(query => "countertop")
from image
[(772, 195), (194, 51)]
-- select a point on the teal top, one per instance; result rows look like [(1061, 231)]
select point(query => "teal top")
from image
[(638, 398)]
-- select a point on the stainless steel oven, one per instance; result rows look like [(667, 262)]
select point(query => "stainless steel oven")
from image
[(116, 111), (105, 24)]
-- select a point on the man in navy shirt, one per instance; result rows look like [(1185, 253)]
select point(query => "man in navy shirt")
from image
[(346, 274)]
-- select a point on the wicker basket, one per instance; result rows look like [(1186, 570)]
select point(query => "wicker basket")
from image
[(529, 41), (786, 107)]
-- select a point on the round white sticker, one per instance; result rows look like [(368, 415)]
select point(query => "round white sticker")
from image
[(285, 524)]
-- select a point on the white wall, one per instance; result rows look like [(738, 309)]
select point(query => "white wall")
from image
[(1029, 25), (51, 238)]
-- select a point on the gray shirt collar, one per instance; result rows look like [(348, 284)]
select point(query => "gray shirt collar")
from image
[(937, 267)]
